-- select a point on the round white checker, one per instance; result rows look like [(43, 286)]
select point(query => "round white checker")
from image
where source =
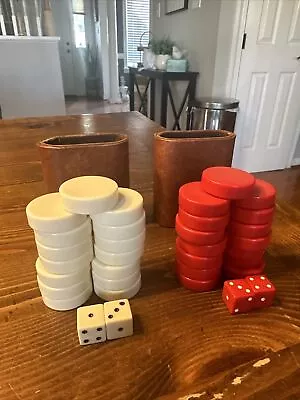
[(64, 253), (117, 258), (121, 246), (64, 239), (89, 194), (128, 209), (69, 304), (119, 232), (47, 214), (116, 284), (64, 293), (61, 281), (70, 266), (105, 271), (110, 295)]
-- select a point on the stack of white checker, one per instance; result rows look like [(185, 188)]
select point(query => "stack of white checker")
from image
[(65, 248), (119, 236)]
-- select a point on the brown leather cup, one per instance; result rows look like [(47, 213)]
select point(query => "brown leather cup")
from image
[(65, 157), (180, 157)]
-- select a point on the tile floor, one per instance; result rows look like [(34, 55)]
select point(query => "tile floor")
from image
[(81, 105)]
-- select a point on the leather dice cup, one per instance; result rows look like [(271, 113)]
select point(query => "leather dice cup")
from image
[(66, 157), (179, 158)]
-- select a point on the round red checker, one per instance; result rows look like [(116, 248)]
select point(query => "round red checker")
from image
[(227, 183), (236, 273), (194, 200), (238, 242), (263, 196), (198, 262), (252, 217), (246, 256), (249, 231), (212, 250), (197, 237), (197, 286), (237, 263), (198, 275), (212, 224)]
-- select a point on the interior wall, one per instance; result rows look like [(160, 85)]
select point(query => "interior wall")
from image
[(194, 30)]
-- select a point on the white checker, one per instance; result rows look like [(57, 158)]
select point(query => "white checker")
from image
[(91, 324), (64, 293), (118, 258), (118, 319), (121, 246), (112, 271), (120, 232), (66, 267), (62, 280), (128, 209), (47, 214), (116, 284), (65, 239), (65, 253), (110, 295), (69, 304), (89, 194)]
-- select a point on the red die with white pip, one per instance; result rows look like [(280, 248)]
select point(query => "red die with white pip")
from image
[(264, 290), (238, 296)]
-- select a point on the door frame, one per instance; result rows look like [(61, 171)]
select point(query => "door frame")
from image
[(232, 78)]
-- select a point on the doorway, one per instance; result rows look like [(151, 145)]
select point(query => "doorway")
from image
[(268, 86)]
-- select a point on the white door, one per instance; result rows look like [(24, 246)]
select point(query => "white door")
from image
[(63, 25), (269, 86)]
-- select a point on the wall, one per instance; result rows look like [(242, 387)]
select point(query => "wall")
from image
[(196, 31)]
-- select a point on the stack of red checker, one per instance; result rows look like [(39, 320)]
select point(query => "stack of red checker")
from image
[(249, 232), (200, 224)]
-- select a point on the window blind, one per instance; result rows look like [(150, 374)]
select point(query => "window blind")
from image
[(137, 22)]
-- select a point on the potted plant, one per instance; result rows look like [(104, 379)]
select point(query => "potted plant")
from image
[(162, 48)]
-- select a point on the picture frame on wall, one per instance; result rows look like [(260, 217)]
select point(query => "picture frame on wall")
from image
[(173, 6)]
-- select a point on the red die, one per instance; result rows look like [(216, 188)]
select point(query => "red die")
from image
[(238, 296), (264, 290)]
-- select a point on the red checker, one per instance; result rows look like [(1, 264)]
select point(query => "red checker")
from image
[(263, 196), (227, 183), (198, 274), (194, 200), (246, 256), (263, 288), (237, 263), (249, 231), (205, 224), (242, 243), (231, 272), (238, 296), (212, 250), (197, 237), (198, 262), (197, 286), (252, 217)]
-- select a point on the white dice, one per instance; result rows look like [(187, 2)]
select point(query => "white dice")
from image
[(91, 324), (118, 319), (99, 322)]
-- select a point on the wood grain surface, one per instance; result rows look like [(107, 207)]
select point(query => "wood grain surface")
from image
[(186, 345)]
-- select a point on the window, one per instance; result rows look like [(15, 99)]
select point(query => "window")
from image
[(137, 14), (79, 23)]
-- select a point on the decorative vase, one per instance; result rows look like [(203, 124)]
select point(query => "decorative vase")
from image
[(179, 158), (65, 157), (161, 61)]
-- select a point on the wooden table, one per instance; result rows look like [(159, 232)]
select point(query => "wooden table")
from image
[(184, 343)]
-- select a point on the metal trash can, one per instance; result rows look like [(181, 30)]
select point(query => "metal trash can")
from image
[(212, 113)]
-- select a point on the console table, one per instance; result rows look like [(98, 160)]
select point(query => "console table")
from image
[(166, 93)]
